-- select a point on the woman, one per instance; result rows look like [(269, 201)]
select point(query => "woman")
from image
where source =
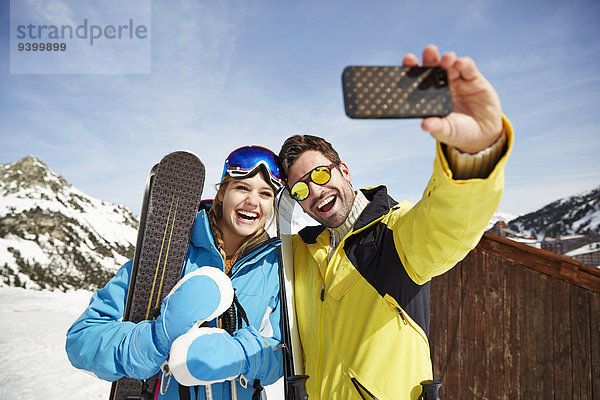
[(229, 252)]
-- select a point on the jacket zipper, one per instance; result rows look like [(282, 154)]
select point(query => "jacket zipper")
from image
[(319, 367), (402, 315)]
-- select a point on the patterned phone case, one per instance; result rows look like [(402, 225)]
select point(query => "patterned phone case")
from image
[(396, 92)]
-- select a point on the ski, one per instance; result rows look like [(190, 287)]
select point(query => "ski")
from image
[(293, 358), (171, 200)]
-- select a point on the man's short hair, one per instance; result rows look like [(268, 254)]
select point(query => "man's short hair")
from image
[(295, 145)]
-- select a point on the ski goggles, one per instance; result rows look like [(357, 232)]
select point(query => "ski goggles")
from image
[(319, 175), (246, 161)]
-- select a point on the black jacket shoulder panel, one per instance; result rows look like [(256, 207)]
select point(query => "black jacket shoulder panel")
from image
[(379, 205), (310, 234)]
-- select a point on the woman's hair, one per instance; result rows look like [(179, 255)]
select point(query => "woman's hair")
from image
[(215, 214)]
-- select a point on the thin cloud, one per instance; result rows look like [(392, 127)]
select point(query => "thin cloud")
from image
[(51, 11)]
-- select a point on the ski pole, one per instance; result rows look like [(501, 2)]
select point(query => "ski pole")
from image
[(430, 390), (297, 387), (144, 395)]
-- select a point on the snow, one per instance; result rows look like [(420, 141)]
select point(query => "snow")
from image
[(530, 242), (32, 343), (591, 221), (104, 218), (32, 348), (588, 248), (500, 216), (29, 250)]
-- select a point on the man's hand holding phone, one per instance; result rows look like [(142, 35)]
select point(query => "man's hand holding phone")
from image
[(459, 106), (476, 120)]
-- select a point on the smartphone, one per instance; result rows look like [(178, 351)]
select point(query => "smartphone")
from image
[(396, 92)]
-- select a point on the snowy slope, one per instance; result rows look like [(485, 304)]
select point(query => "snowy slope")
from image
[(32, 342), (52, 235)]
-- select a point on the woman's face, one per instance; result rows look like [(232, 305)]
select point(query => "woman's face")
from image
[(247, 204)]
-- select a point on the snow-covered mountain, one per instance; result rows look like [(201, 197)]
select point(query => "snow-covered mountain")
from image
[(52, 235), (577, 214)]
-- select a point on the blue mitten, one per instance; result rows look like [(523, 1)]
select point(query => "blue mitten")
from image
[(198, 297), (205, 356)]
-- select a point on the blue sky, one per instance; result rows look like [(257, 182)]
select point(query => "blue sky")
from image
[(230, 73)]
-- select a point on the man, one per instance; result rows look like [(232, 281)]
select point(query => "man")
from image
[(362, 277)]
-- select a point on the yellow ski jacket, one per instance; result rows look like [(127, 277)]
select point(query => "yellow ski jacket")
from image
[(363, 314)]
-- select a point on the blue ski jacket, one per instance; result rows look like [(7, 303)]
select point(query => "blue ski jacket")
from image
[(100, 342)]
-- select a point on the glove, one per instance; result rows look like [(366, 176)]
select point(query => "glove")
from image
[(204, 356), (198, 297)]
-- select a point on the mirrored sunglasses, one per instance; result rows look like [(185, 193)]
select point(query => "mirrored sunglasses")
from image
[(319, 175)]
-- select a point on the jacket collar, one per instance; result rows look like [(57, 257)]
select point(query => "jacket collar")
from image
[(260, 249), (201, 233), (380, 203)]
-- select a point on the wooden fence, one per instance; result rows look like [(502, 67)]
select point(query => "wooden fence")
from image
[(515, 322)]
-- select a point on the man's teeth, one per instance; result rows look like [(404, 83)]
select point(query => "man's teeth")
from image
[(248, 214), (325, 202)]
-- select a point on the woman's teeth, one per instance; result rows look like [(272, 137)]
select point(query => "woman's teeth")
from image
[(247, 214)]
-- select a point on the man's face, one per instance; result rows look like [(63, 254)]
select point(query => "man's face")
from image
[(330, 203)]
